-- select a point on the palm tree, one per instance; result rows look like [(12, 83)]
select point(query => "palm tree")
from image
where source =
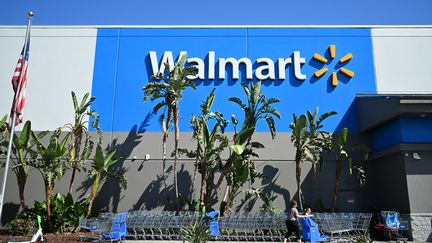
[(170, 90), (239, 167), (78, 131), (210, 144), (258, 107), (343, 155), (165, 122), (309, 141), (23, 151), (100, 171), (51, 164)]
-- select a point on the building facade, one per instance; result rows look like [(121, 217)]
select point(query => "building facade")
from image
[(376, 78)]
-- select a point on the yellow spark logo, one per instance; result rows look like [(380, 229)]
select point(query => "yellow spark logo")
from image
[(323, 60)]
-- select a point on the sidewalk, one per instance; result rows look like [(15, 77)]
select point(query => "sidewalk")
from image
[(178, 241)]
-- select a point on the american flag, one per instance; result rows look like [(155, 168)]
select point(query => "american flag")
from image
[(19, 83)]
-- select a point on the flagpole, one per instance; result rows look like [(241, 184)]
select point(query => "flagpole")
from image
[(14, 115)]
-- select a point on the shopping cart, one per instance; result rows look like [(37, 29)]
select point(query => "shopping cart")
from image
[(107, 227), (343, 225)]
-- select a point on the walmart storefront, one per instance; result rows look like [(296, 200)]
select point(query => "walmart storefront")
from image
[(376, 78)]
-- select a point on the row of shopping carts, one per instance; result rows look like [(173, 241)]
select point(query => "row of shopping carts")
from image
[(165, 225), (245, 226), (342, 225)]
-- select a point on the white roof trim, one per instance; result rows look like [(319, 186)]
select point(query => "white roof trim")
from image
[(211, 26)]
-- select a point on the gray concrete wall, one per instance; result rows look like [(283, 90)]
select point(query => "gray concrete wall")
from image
[(419, 180), (146, 190), (387, 182)]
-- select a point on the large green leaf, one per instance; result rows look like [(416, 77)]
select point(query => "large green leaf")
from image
[(343, 137), (206, 133), (271, 125), (326, 115), (24, 137), (238, 101), (256, 91), (272, 101), (244, 135), (300, 128), (206, 106), (257, 145), (237, 148)]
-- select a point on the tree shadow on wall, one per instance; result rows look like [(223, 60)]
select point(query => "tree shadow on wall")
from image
[(156, 195), (10, 210), (309, 188), (111, 190), (269, 187)]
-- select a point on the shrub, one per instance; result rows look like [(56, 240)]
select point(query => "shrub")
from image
[(65, 216), (195, 233)]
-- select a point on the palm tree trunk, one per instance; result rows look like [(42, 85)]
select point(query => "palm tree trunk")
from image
[(176, 141), (21, 174), (48, 194), (194, 177), (164, 141), (203, 184), (76, 157), (209, 179), (95, 187), (298, 177), (71, 183), (21, 178), (337, 184), (225, 200), (225, 170), (230, 199)]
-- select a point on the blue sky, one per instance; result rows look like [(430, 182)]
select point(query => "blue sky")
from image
[(220, 12)]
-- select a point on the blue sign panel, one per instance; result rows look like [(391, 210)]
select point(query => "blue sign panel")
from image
[(304, 68)]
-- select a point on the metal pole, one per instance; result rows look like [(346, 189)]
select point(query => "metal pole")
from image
[(12, 130)]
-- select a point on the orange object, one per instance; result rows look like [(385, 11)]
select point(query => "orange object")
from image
[(347, 72), (320, 58), (334, 82), (320, 72), (346, 58), (332, 49)]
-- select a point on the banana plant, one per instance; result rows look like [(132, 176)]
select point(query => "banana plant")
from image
[(343, 156), (242, 167), (78, 153), (51, 163), (257, 108), (309, 142), (170, 87), (319, 139), (23, 151), (100, 171), (210, 144)]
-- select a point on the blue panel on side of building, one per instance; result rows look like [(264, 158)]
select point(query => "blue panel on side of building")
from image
[(104, 76), (416, 130), (134, 70), (402, 130), (386, 136)]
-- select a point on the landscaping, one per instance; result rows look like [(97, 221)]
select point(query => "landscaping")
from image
[(221, 163)]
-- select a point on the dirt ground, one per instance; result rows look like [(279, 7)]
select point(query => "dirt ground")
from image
[(49, 238)]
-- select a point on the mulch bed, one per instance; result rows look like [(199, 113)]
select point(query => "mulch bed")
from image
[(49, 238)]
